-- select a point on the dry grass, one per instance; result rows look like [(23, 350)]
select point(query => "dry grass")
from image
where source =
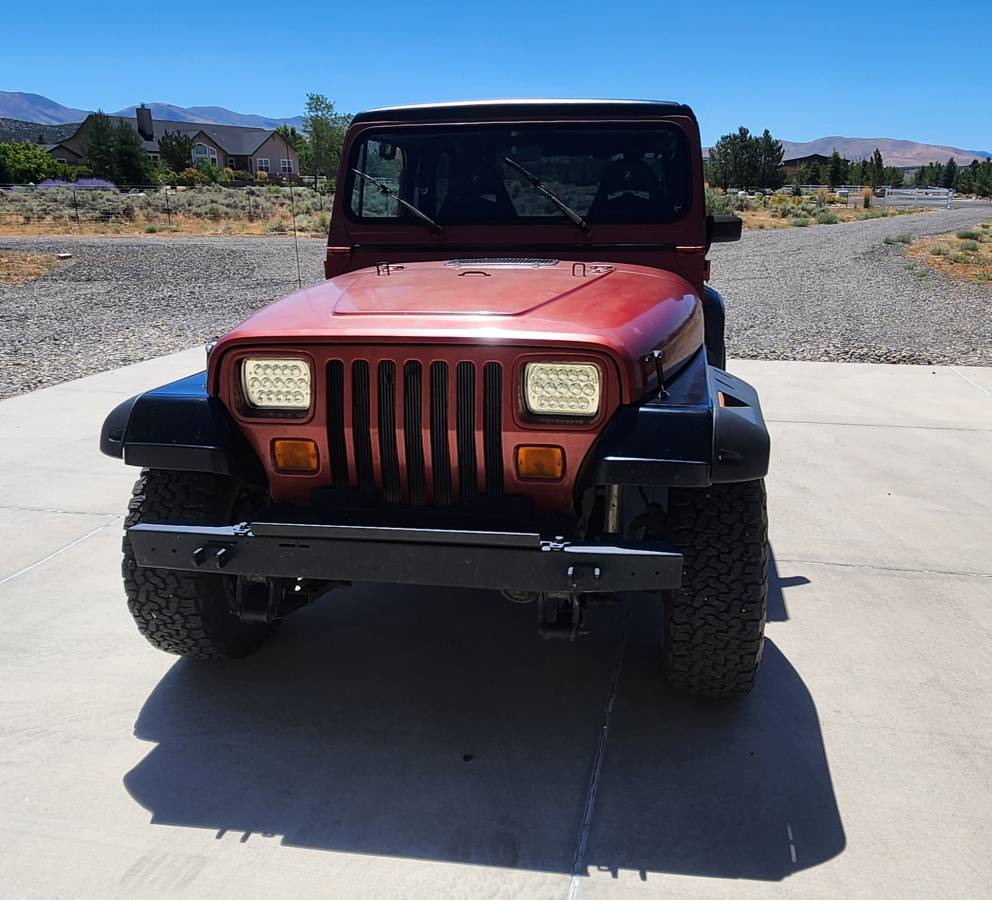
[(181, 225), (17, 268), (966, 258), (764, 217)]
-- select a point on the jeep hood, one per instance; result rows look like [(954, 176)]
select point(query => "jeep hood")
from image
[(493, 289), (621, 309)]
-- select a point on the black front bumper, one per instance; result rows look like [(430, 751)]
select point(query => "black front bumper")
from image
[(512, 561)]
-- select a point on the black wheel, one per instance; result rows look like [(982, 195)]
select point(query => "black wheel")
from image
[(715, 623), (181, 612)]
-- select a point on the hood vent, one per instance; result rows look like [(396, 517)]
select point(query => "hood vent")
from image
[(518, 261)]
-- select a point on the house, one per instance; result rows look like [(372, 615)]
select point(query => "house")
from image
[(251, 150), (793, 165), (64, 154)]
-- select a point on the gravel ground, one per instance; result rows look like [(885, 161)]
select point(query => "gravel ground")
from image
[(122, 300), (839, 293), (824, 293)]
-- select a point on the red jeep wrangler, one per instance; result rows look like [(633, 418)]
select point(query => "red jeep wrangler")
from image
[(512, 379)]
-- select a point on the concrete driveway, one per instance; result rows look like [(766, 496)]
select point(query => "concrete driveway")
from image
[(414, 743)]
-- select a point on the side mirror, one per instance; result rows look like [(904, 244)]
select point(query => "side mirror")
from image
[(720, 229)]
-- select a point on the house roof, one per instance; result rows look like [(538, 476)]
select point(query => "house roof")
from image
[(232, 139)]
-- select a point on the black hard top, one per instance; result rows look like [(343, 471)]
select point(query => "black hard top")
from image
[(509, 109)]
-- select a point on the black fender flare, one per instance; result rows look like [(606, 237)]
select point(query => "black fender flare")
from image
[(705, 428), (179, 426)]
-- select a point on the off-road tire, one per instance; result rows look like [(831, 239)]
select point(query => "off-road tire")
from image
[(715, 623), (181, 612)]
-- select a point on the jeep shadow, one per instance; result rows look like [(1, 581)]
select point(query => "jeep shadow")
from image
[(430, 725)]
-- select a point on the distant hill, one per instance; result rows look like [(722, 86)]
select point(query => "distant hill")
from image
[(213, 115), (903, 154), (29, 132), (24, 107), (35, 108)]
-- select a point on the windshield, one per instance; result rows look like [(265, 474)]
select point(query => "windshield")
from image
[(467, 174)]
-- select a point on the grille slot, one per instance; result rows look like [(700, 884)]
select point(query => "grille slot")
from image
[(492, 426), (389, 460), (440, 455), (465, 429), (387, 453), (413, 438), (335, 423), (362, 424)]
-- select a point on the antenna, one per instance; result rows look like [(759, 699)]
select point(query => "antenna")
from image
[(296, 240)]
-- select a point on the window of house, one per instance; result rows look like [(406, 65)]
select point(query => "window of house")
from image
[(203, 153), (232, 162), (286, 166), (262, 164)]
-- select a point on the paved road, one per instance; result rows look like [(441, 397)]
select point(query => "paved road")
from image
[(833, 293), (412, 743)]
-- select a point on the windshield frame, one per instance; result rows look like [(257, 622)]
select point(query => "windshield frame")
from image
[(530, 226)]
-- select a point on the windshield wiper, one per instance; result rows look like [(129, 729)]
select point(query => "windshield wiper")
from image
[(536, 182), (389, 192)]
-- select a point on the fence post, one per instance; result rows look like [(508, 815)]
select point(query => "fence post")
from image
[(168, 212), (251, 214), (75, 207)]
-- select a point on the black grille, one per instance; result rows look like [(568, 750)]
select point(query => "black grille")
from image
[(465, 429), (362, 424), (413, 440), (335, 423), (440, 456), (492, 426), (392, 491), (413, 393)]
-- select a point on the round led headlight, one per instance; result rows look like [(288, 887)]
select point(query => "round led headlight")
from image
[(276, 383), (562, 389)]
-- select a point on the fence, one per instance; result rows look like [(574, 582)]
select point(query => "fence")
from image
[(68, 208), (919, 197)]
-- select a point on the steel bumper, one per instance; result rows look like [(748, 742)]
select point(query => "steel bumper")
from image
[(514, 561)]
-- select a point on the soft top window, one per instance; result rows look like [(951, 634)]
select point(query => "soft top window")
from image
[(465, 174)]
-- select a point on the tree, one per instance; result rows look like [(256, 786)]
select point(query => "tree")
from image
[(292, 137), (876, 169), (176, 150), (132, 164), (864, 174), (892, 177), (737, 159), (835, 171), (324, 131), (99, 148), (815, 175), (950, 174), (25, 163), (770, 153)]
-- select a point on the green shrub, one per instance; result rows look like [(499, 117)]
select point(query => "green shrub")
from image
[(826, 218), (939, 251), (150, 229), (966, 234), (800, 222), (969, 246)]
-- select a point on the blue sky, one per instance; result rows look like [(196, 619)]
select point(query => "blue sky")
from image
[(803, 72)]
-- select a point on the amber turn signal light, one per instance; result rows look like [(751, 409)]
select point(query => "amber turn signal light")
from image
[(294, 455), (540, 462)]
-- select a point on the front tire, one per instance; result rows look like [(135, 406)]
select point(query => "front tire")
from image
[(715, 623), (181, 612)]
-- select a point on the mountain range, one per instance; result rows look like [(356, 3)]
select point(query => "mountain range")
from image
[(35, 108), (902, 154)]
